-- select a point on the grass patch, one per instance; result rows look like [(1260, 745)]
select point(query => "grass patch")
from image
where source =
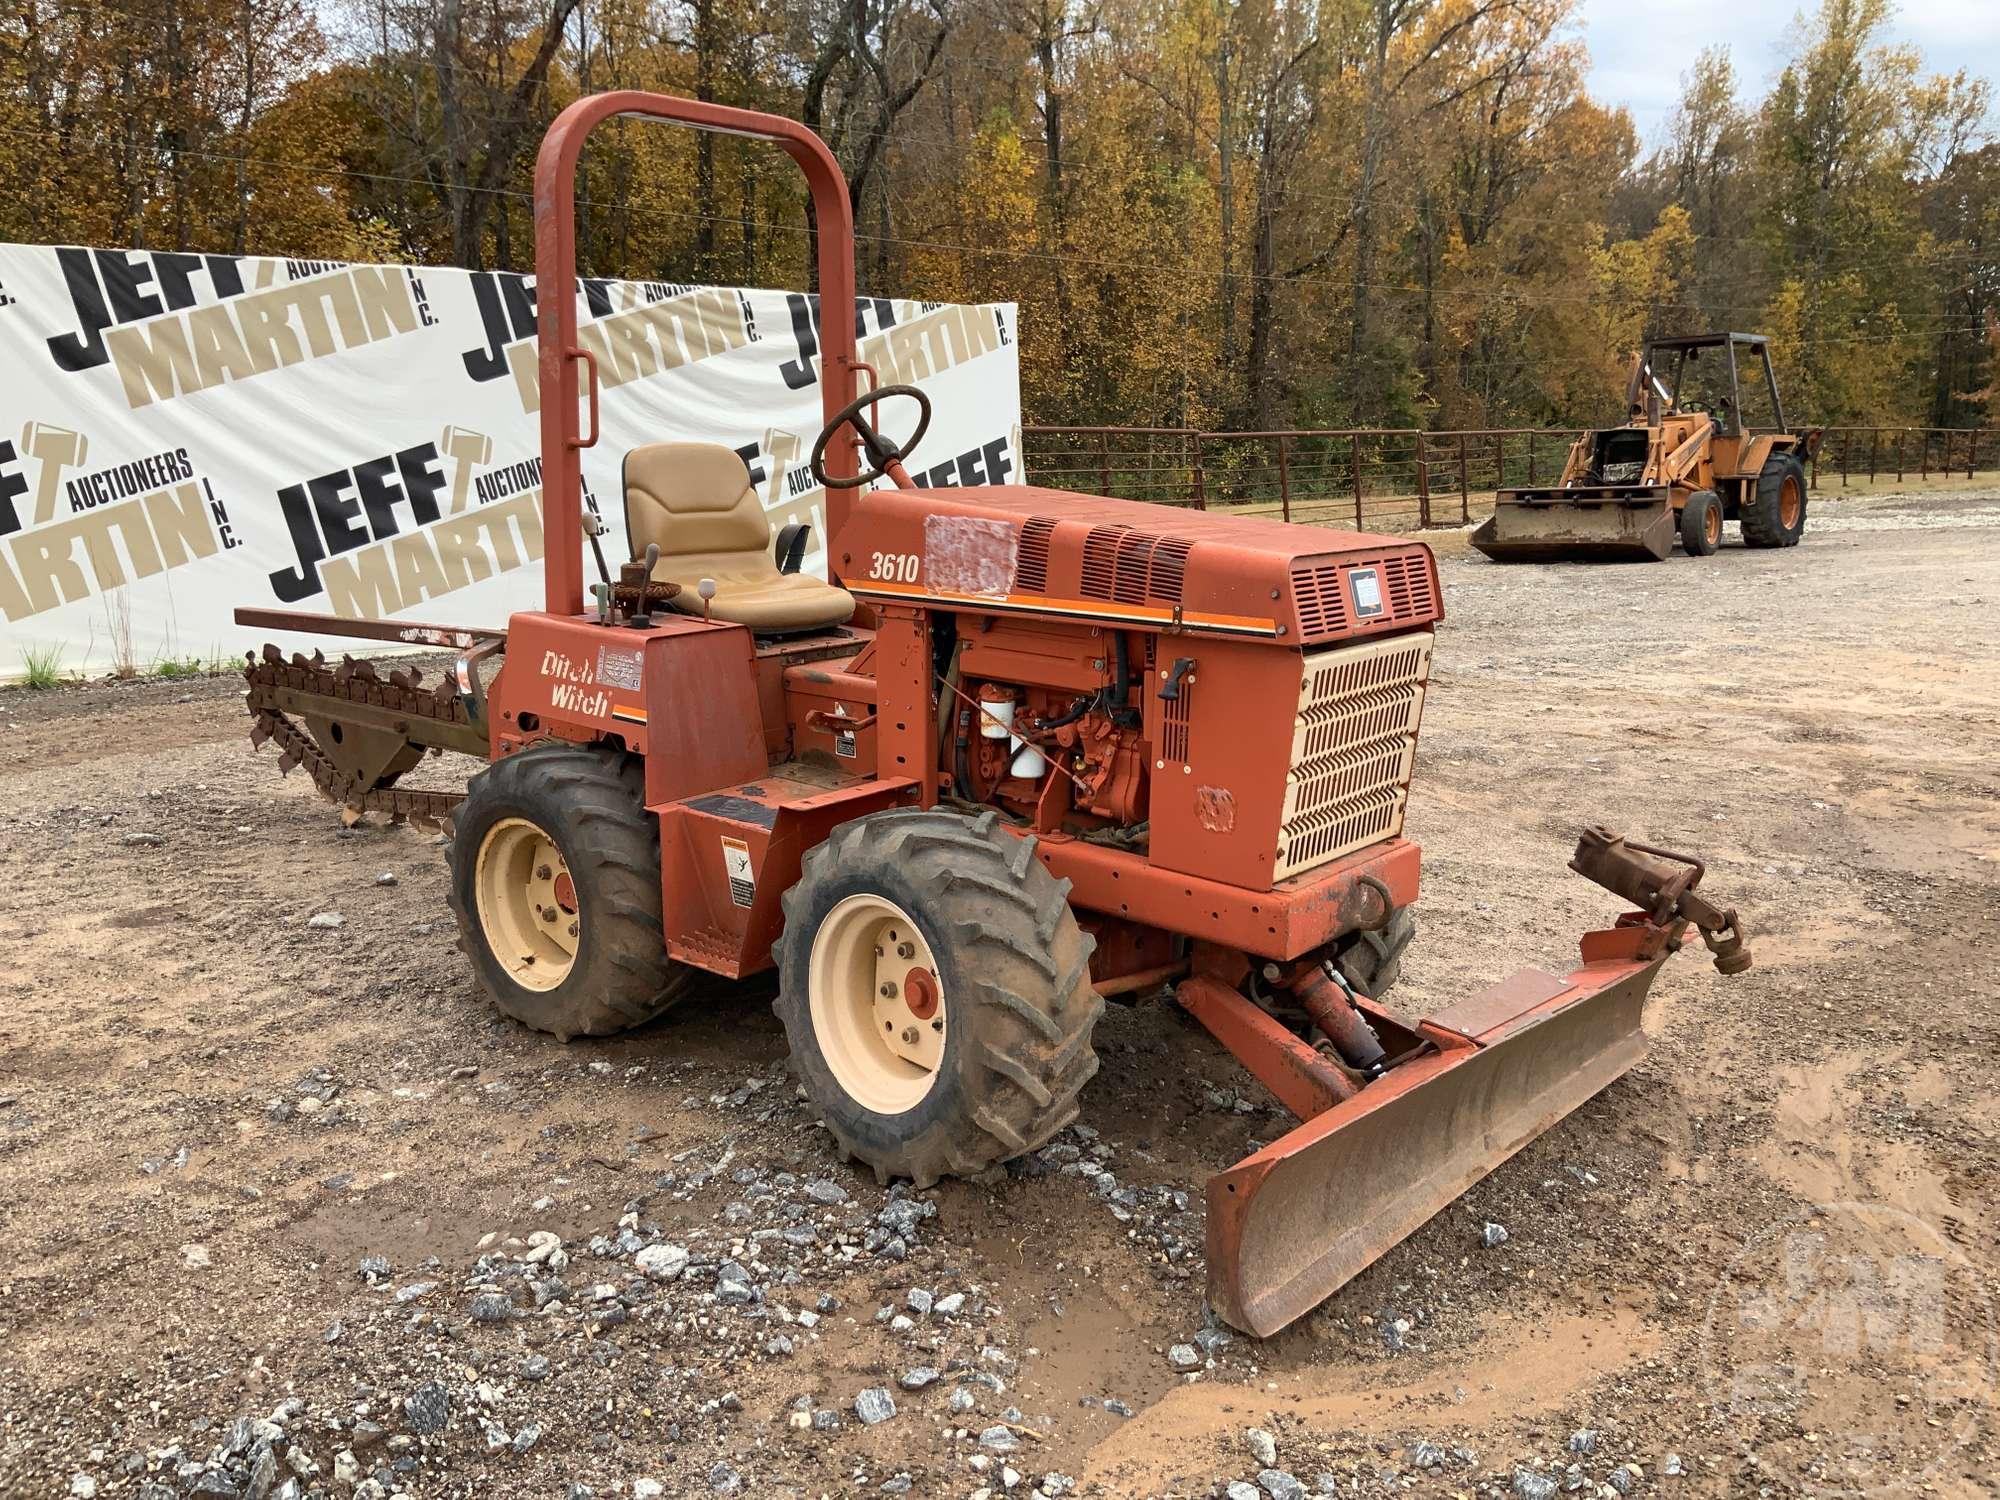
[(172, 667), (42, 666)]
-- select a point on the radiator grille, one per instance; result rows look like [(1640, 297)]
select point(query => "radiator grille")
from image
[(1352, 743), (1322, 592)]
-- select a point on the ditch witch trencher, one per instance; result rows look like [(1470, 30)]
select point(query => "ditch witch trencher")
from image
[(1025, 752)]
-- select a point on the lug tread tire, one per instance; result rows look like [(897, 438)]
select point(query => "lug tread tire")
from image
[(1016, 973), (593, 803), (1762, 518)]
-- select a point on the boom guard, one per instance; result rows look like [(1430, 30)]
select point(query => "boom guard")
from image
[(1596, 522), (1466, 1089)]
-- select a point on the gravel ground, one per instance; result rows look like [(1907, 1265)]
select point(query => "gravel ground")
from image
[(288, 1211)]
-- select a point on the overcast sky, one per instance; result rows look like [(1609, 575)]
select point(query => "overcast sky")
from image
[(1638, 51)]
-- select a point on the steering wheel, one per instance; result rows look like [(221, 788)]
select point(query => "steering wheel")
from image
[(880, 450)]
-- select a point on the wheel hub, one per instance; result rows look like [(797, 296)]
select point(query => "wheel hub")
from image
[(527, 904), (878, 1007)]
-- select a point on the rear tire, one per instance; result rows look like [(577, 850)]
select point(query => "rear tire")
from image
[(578, 813), (1701, 524), (1008, 983), (1774, 510)]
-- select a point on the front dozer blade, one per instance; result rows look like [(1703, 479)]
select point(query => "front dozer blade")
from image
[(1592, 524), (1291, 1224)]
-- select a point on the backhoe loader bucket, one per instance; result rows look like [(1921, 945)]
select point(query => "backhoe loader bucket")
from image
[(1594, 522), (1462, 1092)]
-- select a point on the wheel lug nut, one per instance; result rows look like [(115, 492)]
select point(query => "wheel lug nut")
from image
[(906, 950), (542, 872), (909, 1036), (888, 989)]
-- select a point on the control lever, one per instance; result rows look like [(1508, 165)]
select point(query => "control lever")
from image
[(593, 527), (639, 608)]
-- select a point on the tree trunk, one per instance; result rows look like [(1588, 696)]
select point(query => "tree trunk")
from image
[(1052, 180), (1225, 147), (705, 48), (239, 238), (1374, 128)]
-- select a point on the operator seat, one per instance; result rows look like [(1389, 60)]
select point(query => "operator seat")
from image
[(695, 501)]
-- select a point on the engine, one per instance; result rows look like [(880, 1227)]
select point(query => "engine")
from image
[(1227, 759), (1046, 725)]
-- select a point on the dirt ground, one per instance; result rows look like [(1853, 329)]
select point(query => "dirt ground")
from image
[(267, 1187)]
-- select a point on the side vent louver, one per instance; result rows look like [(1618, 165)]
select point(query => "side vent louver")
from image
[(1321, 591), (1031, 576), (1100, 560), (1124, 566), (1170, 568)]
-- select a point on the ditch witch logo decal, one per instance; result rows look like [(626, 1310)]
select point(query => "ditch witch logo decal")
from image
[(636, 329), (66, 536), (138, 312), (394, 530)]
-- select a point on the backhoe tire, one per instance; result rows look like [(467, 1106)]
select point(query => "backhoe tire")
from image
[(935, 989), (1371, 961), (1774, 510), (1701, 524), (549, 839)]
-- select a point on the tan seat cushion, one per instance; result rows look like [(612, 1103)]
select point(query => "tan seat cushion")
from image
[(695, 501)]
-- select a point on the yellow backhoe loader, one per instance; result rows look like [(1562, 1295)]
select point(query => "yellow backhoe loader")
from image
[(1684, 462)]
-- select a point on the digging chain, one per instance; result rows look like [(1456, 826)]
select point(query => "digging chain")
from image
[(354, 681)]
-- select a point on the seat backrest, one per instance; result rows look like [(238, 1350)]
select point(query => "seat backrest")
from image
[(693, 500)]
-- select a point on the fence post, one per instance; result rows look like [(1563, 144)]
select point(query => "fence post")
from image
[(1845, 439), (1925, 459), (1499, 460), (1971, 447), (1423, 481), (1874, 451), (1284, 481), (1899, 455), (1813, 482), (1194, 465), (1354, 452), (1104, 464), (1464, 484), (1531, 460)]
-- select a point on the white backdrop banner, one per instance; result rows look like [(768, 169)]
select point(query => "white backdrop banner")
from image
[(184, 434)]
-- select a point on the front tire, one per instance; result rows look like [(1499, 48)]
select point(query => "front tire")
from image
[(935, 989), (1701, 524), (555, 882), (1774, 514)]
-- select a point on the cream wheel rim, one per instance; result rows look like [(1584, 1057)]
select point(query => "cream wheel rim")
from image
[(527, 904), (878, 1005)]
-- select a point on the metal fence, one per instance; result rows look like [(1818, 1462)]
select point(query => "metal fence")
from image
[(1406, 478)]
